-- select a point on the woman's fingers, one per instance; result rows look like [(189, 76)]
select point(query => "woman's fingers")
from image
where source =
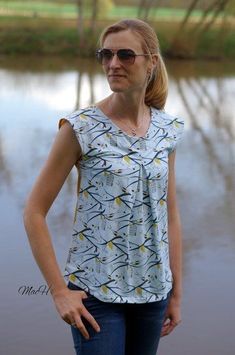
[(91, 320), (71, 309), (167, 329), (172, 316), (77, 323), (168, 326), (80, 325)]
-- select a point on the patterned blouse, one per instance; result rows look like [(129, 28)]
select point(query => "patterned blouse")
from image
[(119, 249)]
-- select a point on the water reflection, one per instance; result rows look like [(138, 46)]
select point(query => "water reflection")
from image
[(33, 96), (220, 131)]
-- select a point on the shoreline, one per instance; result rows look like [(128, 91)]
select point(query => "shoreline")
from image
[(27, 36)]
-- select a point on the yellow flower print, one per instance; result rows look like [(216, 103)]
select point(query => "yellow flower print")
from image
[(83, 117), (85, 193), (104, 289), (176, 124), (118, 201), (110, 245), (126, 159), (138, 290), (72, 278), (157, 161), (142, 248), (81, 236)]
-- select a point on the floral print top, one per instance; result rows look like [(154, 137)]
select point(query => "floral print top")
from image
[(119, 249)]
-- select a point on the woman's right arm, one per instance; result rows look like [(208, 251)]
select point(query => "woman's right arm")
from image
[(64, 154)]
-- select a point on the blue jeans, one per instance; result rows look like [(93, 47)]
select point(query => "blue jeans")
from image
[(125, 329)]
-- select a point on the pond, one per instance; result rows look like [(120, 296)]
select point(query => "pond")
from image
[(34, 94)]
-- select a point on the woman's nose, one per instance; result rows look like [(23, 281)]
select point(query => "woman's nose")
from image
[(115, 61)]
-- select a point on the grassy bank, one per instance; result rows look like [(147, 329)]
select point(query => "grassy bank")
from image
[(44, 36)]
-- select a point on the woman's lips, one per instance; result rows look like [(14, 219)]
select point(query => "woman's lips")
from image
[(116, 76)]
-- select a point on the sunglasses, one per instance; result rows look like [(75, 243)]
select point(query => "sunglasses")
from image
[(126, 56)]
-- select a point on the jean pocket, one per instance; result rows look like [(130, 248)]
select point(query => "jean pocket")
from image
[(74, 287)]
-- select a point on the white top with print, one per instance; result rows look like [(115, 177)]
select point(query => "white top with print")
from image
[(119, 250)]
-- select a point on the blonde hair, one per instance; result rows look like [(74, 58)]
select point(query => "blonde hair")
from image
[(157, 88)]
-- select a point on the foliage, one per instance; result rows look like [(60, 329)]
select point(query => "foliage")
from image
[(52, 28), (103, 7)]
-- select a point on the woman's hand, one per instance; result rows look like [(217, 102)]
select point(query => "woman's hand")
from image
[(70, 307), (172, 317)]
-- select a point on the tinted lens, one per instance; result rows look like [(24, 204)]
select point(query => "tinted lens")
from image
[(104, 55), (126, 55)]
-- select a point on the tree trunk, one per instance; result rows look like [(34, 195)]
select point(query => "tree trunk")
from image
[(190, 10), (205, 14), (80, 24), (141, 7), (176, 44), (148, 7), (94, 15), (221, 6)]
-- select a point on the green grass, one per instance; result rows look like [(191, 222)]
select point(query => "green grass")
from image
[(54, 31), (161, 13), (40, 8), (49, 8)]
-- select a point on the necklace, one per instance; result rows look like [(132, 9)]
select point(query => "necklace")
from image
[(133, 130)]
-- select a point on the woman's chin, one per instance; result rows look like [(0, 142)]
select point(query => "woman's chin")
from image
[(117, 87)]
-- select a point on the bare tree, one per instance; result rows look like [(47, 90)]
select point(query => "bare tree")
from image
[(141, 7), (219, 6), (94, 14), (187, 15), (177, 45), (80, 21), (144, 8)]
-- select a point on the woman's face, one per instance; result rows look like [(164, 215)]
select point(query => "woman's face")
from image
[(123, 77)]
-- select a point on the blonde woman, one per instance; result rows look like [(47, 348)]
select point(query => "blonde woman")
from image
[(121, 289)]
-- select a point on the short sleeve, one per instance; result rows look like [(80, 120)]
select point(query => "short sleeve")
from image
[(74, 120), (176, 133)]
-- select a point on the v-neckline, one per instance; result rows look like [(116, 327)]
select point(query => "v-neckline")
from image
[(124, 132)]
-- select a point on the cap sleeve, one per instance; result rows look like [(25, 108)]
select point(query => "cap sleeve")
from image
[(175, 132), (75, 122)]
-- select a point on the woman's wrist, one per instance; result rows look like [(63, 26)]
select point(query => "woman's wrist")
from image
[(176, 292), (57, 289)]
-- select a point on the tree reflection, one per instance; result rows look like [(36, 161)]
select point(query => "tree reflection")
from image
[(208, 106), (5, 172)]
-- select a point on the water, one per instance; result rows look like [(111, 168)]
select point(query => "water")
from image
[(34, 94)]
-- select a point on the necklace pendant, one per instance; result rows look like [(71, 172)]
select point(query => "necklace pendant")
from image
[(133, 132)]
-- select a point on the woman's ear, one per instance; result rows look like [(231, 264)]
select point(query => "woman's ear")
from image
[(154, 61)]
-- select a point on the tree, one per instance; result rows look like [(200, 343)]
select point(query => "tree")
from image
[(187, 15), (218, 7), (185, 42), (80, 21), (94, 14), (95, 9), (145, 7)]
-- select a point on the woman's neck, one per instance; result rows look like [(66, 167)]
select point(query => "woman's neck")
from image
[(119, 106)]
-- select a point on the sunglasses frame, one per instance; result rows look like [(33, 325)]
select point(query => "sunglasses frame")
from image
[(127, 61)]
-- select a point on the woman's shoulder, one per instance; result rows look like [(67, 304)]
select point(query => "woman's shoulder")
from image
[(168, 119), (81, 113), (171, 125)]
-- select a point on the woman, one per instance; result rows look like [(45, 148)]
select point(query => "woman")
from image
[(123, 272)]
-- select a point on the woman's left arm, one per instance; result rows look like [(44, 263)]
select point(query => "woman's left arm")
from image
[(173, 313)]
